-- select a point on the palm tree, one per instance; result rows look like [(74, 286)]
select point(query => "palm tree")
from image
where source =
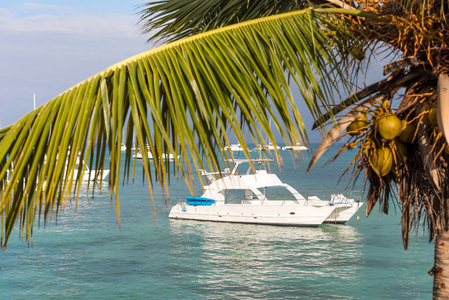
[(401, 147), (229, 66)]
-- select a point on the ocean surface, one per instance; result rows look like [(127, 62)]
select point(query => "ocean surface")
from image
[(87, 256)]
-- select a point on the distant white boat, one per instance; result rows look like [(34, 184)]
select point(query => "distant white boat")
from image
[(165, 156), (234, 148), (269, 147), (90, 174), (123, 148), (297, 147), (260, 198)]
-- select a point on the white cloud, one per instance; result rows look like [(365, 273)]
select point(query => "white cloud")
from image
[(87, 24), (5, 14), (39, 6), (49, 53)]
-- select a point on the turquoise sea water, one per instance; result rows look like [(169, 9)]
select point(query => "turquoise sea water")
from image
[(86, 255)]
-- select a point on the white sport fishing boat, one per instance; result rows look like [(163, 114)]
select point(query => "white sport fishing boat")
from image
[(254, 198), (297, 147)]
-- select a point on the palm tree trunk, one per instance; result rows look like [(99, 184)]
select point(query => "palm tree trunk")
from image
[(443, 105), (440, 270)]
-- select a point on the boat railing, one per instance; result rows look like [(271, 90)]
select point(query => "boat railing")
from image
[(334, 197), (268, 201), (211, 176)]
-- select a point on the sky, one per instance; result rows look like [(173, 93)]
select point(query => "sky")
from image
[(46, 47)]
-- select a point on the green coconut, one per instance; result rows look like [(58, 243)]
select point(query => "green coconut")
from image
[(407, 134), (430, 118), (389, 126), (425, 119), (401, 152), (433, 116), (382, 161), (358, 53), (357, 125)]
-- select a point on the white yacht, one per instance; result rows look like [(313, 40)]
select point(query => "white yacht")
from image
[(297, 147), (269, 147), (234, 148), (89, 175), (344, 208), (165, 156), (254, 198)]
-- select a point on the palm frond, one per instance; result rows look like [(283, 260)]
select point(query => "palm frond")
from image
[(169, 20), (180, 99)]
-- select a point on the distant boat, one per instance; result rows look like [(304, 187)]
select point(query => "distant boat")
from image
[(297, 147), (123, 148), (234, 148), (165, 156), (90, 173), (270, 146)]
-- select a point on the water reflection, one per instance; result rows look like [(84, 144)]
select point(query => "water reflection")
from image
[(93, 205), (239, 260)]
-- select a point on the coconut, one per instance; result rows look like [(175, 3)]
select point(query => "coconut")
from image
[(357, 124), (389, 126), (407, 134), (401, 152), (382, 161), (430, 118), (433, 116), (358, 53)]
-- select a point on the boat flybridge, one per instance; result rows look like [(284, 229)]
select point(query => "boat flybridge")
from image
[(255, 198)]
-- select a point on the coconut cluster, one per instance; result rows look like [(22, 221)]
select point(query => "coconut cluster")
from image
[(384, 137)]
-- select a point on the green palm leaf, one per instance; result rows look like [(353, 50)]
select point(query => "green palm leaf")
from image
[(181, 98), (169, 20)]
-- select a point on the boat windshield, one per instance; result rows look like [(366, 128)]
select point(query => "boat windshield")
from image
[(237, 195), (268, 193), (277, 193)]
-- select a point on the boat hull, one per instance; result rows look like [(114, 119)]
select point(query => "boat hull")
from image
[(342, 213), (286, 215)]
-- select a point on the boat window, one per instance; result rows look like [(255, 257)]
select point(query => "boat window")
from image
[(236, 196), (277, 193)]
